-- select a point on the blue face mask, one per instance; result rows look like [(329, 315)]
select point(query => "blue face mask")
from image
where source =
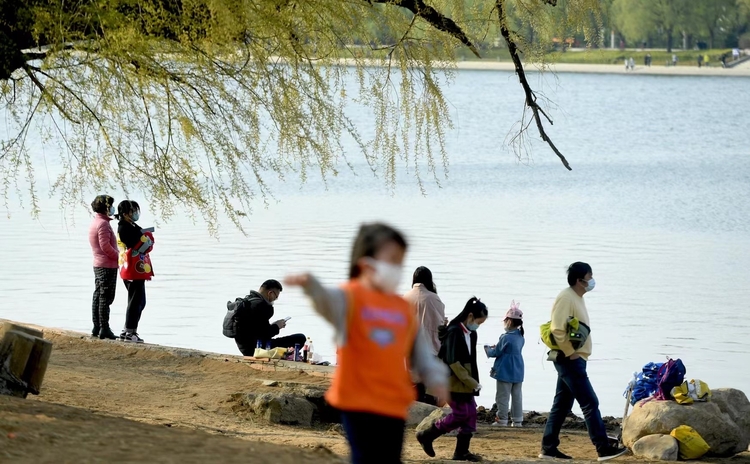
[(136, 215), (473, 326)]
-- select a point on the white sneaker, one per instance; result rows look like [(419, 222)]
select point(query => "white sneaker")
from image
[(517, 424), (132, 338), (499, 424)]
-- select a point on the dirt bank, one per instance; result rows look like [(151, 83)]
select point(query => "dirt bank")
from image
[(113, 402)]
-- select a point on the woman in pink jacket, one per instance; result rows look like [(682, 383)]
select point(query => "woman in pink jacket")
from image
[(104, 246)]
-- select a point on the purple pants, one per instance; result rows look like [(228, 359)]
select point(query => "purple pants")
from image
[(463, 416)]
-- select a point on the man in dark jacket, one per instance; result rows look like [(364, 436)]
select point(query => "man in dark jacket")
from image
[(253, 321)]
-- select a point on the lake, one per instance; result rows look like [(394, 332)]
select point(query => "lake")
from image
[(657, 203)]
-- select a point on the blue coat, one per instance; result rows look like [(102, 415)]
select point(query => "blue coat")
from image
[(509, 360)]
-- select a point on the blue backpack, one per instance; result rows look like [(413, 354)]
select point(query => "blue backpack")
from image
[(671, 374), (645, 383)]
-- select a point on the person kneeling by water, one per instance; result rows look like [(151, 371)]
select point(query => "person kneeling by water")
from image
[(459, 352)]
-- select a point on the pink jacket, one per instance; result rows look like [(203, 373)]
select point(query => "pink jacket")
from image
[(103, 242), (431, 312)]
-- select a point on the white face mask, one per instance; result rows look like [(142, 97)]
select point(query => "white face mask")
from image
[(387, 275), (590, 284)]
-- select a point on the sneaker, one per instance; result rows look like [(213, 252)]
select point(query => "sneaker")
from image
[(123, 334), (612, 452), (132, 338), (517, 425), (499, 424), (554, 454)]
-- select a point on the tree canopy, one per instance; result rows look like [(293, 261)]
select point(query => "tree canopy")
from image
[(195, 102)]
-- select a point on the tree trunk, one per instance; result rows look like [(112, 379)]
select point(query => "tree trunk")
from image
[(15, 348), (669, 40)]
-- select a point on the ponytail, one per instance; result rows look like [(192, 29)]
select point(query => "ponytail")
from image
[(475, 307)]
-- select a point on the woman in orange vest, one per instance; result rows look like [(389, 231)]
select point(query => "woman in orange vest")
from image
[(459, 352), (379, 340)]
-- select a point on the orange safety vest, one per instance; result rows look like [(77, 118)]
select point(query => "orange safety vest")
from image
[(373, 371)]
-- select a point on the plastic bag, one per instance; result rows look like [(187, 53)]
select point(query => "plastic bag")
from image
[(692, 445)]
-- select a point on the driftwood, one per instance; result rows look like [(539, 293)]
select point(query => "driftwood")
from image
[(24, 356)]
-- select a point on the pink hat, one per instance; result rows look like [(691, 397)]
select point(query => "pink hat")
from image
[(514, 312)]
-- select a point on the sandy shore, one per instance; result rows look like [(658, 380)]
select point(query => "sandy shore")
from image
[(742, 70), (107, 401), (739, 71)]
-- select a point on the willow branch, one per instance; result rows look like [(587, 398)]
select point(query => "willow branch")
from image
[(530, 95), (436, 19)]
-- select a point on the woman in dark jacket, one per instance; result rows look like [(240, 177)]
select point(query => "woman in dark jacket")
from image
[(459, 352), (137, 242)]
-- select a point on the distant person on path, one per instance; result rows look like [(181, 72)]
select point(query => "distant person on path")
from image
[(379, 340), (508, 369), (572, 381), (104, 246), (135, 265), (647, 59), (430, 312), (459, 352), (631, 63), (700, 60), (735, 54), (674, 59), (253, 321)]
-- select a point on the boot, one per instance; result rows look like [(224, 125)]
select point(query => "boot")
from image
[(426, 437), (106, 333), (462, 452), (95, 332)]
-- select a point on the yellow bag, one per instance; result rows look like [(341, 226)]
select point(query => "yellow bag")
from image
[(689, 392), (692, 445), (578, 332)]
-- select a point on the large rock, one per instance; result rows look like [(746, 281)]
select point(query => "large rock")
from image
[(723, 422), (281, 408), (435, 416), (657, 447), (419, 412)]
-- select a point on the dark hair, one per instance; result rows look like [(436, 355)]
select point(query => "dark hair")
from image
[(370, 239), (272, 284), (423, 276), (474, 307), (577, 271), (516, 324), (102, 203), (126, 207)]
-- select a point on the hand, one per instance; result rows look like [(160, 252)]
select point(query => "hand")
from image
[(478, 388), (445, 321), (281, 323), (574, 356), (299, 280), (442, 395)]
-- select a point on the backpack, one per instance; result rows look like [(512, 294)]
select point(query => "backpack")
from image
[(229, 328), (645, 383), (671, 374)]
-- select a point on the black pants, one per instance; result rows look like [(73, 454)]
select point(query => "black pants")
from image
[(247, 346), (105, 284), (373, 439), (136, 303)]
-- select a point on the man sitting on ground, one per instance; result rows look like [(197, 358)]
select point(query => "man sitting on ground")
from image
[(253, 321)]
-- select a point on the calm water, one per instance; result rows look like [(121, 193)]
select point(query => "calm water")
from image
[(657, 203)]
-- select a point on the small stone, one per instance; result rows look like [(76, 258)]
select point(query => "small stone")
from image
[(270, 383), (657, 447)]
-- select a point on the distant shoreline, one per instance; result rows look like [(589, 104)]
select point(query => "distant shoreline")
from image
[(609, 69), (657, 70)]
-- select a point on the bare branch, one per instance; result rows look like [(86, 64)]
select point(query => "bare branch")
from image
[(530, 95)]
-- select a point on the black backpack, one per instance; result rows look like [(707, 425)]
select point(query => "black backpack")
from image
[(229, 328)]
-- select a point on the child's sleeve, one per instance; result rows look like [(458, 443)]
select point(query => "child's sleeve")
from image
[(495, 352), (332, 304)]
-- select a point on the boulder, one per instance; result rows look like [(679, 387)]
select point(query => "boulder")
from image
[(435, 416), (657, 447), (713, 421), (281, 408), (419, 412)]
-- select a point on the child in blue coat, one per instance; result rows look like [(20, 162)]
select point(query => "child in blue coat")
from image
[(508, 368)]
